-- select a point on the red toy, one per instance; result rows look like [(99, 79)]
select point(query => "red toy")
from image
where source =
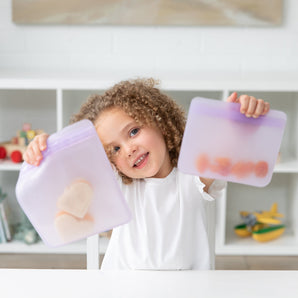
[(3, 152), (16, 156)]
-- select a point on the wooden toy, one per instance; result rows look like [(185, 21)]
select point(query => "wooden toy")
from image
[(3, 152), (31, 134), (26, 127), (15, 149)]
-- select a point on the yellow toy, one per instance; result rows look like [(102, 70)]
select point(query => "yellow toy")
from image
[(262, 226)]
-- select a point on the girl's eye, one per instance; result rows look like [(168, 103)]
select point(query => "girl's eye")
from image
[(134, 131), (116, 149)]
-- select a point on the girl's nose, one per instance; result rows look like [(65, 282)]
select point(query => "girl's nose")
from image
[(130, 150)]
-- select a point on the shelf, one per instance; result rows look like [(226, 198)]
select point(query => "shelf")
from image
[(287, 244), (8, 165), (287, 167), (169, 81), (74, 248)]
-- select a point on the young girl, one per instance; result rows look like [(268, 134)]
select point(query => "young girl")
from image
[(141, 130)]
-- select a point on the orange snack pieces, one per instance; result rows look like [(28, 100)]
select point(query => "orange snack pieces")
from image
[(61, 213), (261, 169), (202, 162), (86, 217), (242, 169), (222, 166)]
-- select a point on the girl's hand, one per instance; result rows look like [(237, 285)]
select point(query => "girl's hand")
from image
[(33, 153), (250, 106)]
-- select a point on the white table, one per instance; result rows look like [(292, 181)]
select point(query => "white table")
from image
[(143, 284)]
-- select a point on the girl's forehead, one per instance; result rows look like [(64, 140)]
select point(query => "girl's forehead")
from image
[(116, 114), (110, 113)]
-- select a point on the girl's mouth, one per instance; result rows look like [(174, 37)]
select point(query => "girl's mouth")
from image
[(141, 161)]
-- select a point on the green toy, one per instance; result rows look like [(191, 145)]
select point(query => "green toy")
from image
[(24, 231)]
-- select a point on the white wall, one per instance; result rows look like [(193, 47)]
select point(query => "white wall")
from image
[(157, 51)]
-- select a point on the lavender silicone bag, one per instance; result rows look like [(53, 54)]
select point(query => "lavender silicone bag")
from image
[(221, 143), (73, 193)]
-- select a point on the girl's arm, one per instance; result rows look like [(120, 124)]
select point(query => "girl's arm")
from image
[(251, 107), (207, 182)]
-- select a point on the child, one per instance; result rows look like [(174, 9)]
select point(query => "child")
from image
[(141, 130)]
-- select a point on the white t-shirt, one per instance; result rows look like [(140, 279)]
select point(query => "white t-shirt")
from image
[(169, 228)]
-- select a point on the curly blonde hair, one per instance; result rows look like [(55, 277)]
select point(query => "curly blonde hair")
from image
[(147, 105)]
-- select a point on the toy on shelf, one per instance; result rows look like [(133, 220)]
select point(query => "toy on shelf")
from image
[(25, 232), (2, 195), (15, 149), (262, 226)]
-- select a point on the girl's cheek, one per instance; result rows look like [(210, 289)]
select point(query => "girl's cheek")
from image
[(119, 163)]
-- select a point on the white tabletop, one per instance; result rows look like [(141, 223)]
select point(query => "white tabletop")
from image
[(143, 284)]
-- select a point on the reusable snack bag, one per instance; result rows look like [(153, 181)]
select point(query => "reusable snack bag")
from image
[(73, 193), (221, 143)]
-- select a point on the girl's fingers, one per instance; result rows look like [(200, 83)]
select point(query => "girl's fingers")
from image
[(28, 156), (42, 141), (244, 101), (37, 156), (249, 105), (252, 105), (233, 97), (260, 106), (266, 108), (33, 153), (25, 156)]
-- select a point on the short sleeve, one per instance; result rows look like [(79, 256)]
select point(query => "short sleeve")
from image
[(215, 189)]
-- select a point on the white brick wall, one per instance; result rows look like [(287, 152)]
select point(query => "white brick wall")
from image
[(149, 50)]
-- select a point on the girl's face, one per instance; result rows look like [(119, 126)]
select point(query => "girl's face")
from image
[(137, 151)]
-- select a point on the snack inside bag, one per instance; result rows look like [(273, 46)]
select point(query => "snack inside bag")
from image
[(221, 143), (74, 192)]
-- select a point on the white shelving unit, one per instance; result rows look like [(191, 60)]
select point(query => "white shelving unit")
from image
[(76, 248), (48, 103)]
